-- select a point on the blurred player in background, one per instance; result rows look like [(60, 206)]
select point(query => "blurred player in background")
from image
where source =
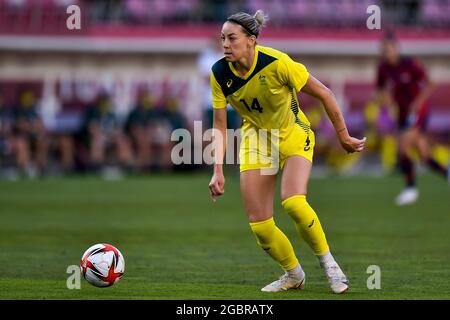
[(30, 138), (5, 131), (262, 84), (8, 145), (101, 132), (138, 126), (403, 84), (169, 118)]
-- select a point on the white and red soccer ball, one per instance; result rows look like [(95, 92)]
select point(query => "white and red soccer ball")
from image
[(102, 265)]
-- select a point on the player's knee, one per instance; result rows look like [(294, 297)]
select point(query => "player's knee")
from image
[(258, 216), (290, 192)]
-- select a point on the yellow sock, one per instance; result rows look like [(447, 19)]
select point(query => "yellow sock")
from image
[(307, 223), (275, 243)]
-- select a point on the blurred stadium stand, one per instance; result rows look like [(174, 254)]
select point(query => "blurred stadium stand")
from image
[(125, 47), (46, 15)]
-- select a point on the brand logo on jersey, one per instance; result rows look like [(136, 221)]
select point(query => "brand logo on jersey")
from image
[(229, 83)]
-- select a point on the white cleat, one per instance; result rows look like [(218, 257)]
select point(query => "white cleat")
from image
[(407, 196), (336, 278), (284, 283)]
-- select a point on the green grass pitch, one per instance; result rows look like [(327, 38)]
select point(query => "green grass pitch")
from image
[(178, 245)]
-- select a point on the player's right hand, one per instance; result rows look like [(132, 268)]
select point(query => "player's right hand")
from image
[(216, 186), (351, 144)]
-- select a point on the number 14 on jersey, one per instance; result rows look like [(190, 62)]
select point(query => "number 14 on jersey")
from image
[(255, 105)]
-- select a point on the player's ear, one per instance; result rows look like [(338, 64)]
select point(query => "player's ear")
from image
[(251, 41)]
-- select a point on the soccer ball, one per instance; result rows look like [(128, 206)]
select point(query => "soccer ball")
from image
[(102, 265)]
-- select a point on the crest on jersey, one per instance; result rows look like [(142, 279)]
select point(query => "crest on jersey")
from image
[(262, 80)]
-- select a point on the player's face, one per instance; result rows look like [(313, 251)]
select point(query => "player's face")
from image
[(235, 42), (390, 52)]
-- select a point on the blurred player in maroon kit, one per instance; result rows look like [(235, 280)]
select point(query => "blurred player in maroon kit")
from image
[(403, 83)]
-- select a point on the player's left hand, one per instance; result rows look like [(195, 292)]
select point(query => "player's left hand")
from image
[(351, 144)]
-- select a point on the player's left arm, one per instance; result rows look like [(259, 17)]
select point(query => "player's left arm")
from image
[(315, 88), (428, 87)]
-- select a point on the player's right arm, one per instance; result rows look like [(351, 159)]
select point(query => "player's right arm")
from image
[(216, 186)]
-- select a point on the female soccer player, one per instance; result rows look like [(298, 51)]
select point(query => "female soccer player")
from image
[(261, 84), (404, 84)]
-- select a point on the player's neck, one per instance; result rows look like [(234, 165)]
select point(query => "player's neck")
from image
[(243, 65)]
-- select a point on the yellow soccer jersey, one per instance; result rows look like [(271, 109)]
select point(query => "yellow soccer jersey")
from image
[(266, 97)]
